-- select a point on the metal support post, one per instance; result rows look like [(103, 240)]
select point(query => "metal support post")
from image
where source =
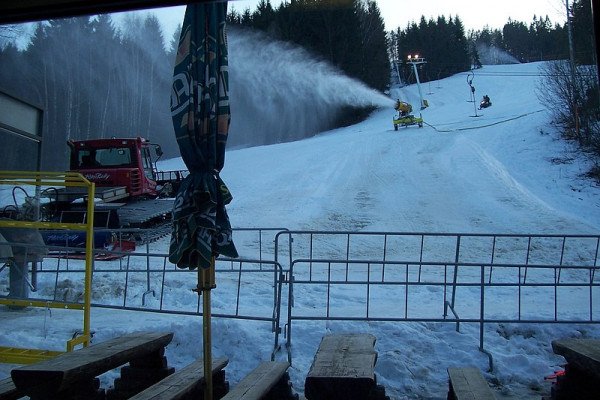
[(206, 282)]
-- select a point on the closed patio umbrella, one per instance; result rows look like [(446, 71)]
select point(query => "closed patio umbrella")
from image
[(200, 112)]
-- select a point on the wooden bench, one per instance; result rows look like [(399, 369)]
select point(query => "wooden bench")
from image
[(344, 368), (8, 390), (268, 379), (582, 372), (187, 383), (468, 384), (73, 374), (584, 354)]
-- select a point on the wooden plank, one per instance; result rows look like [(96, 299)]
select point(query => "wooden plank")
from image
[(259, 382), (344, 367), (348, 355), (181, 383), (57, 374), (468, 384), (8, 390), (583, 354)]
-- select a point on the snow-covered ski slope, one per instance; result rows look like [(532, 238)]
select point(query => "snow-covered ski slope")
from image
[(502, 171), (498, 170)]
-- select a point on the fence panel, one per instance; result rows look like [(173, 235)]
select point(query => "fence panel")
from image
[(361, 290), (148, 282), (355, 276)]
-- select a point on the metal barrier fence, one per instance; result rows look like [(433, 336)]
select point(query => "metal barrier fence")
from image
[(356, 276), (451, 248), (432, 275), (148, 282), (371, 290)]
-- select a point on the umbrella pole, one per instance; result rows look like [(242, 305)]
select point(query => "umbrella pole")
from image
[(206, 282)]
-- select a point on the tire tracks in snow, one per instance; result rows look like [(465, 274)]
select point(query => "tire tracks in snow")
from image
[(510, 195)]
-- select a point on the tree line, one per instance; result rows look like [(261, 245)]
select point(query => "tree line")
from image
[(351, 35), (448, 49), (541, 40), (93, 81), (94, 78), (442, 42)]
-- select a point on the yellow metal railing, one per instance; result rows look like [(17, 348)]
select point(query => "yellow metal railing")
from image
[(53, 179), (11, 355)]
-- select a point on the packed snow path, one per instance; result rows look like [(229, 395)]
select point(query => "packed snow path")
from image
[(510, 176)]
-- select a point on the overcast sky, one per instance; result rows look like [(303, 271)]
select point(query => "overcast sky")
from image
[(475, 14)]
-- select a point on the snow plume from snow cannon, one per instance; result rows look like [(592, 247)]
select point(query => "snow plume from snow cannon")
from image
[(280, 93), (492, 55)]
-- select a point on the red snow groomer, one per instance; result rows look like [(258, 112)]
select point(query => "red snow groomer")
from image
[(131, 194)]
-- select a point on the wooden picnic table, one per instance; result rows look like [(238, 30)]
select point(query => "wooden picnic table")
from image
[(581, 380), (187, 383), (74, 374), (467, 383), (584, 354), (344, 368), (268, 380)]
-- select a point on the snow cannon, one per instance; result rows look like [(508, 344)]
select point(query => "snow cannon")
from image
[(403, 116)]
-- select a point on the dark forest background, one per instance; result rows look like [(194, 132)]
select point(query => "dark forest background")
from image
[(92, 80), (95, 79)]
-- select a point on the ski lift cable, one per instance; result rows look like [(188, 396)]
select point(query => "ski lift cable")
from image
[(482, 126), (525, 74)]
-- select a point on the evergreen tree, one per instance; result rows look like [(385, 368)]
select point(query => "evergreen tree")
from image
[(233, 17), (375, 60), (474, 55), (542, 46), (583, 32), (263, 18), (460, 49), (441, 42), (560, 40), (173, 45), (246, 17), (107, 43), (92, 82), (516, 39)]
